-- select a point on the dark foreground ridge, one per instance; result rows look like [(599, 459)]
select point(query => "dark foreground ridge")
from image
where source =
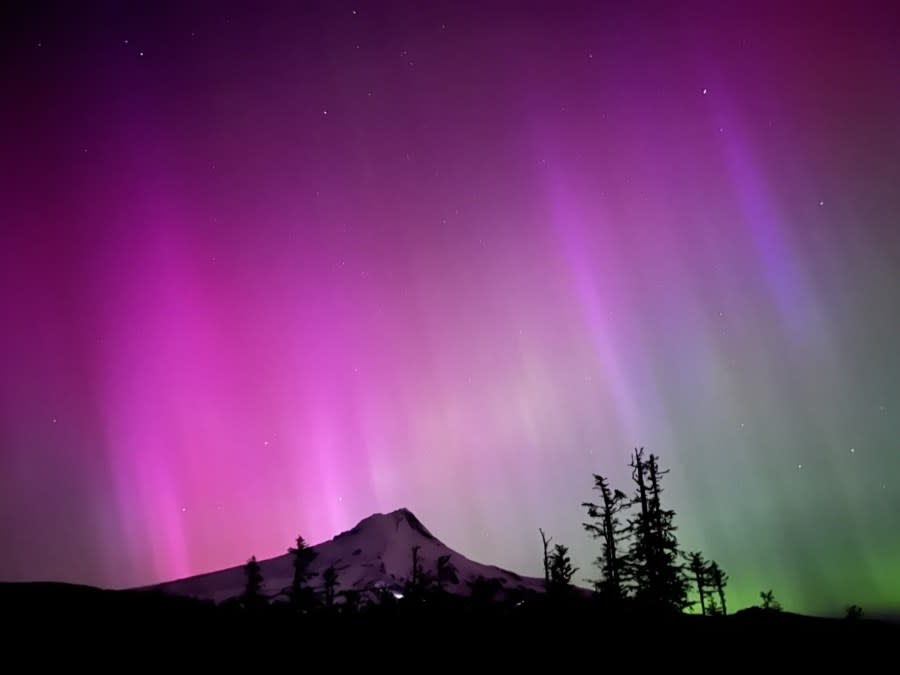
[(109, 621)]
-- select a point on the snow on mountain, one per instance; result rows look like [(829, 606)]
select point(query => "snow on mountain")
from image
[(376, 554)]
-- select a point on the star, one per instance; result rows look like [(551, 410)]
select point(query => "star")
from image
[(40, 44), (125, 42), (821, 203), (799, 466), (141, 54), (852, 450), (266, 443), (184, 509), (325, 112), (54, 420)]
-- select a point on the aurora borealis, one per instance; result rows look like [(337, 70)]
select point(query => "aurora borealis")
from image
[(267, 271)]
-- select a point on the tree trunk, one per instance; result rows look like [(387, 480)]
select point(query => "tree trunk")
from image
[(700, 591)]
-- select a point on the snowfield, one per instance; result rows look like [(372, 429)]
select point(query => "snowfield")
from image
[(374, 555)]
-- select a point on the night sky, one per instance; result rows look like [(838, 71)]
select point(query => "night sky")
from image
[(265, 271)]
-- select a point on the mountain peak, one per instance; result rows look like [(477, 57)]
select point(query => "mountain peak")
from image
[(393, 520)]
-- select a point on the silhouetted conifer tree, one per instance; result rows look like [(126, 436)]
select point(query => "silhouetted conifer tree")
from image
[(416, 568), (546, 541), (769, 601), (611, 533), (718, 580), (417, 583), (698, 567), (253, 587), (329, 579), (302, 556), (639, 527), (561, 570), (854, 613), (659, 583), (446, 572), (351, 601), (484, 591)]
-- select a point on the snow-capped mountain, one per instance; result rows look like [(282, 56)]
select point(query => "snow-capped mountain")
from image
[(376, 554)]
